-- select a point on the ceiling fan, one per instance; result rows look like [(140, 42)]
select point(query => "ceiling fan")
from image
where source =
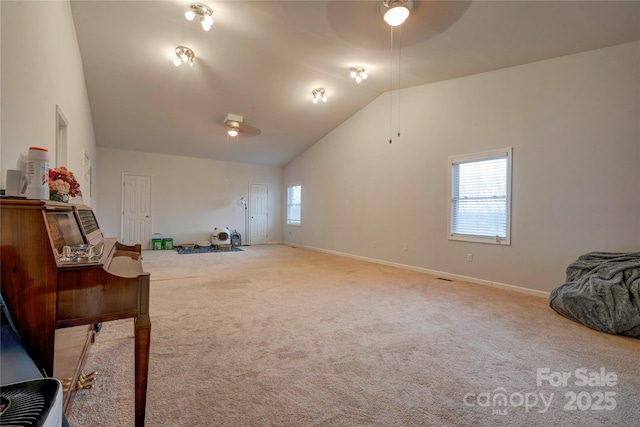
[(235, 125)]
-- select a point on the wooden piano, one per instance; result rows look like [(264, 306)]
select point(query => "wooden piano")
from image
[(54, 303)]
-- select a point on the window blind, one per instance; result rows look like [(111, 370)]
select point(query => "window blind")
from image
[(479, 197), (294, 202)]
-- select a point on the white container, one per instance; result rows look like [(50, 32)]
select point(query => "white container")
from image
[(38, 173)]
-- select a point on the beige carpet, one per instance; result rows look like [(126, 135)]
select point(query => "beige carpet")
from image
[(281, 336)]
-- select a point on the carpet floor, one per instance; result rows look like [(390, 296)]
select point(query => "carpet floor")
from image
[(282, 336)]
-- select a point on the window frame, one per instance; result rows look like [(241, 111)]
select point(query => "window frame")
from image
[(289, 204), (486, 155)]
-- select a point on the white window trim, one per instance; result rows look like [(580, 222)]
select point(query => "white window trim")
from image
[(290, 224), (486, 155)]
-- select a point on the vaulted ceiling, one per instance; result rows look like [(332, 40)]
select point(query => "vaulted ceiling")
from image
[(262, 59)]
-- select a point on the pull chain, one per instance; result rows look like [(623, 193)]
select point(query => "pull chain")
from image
[(399, 73), (391, 90), (391, 86)]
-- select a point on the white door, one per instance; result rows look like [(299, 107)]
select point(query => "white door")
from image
[(259, 213), (136, 212)]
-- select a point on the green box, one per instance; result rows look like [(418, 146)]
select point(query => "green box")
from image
[(167, 243), (156, 244)]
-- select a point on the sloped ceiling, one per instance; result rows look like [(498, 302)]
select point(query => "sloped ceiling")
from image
[(262, 59)]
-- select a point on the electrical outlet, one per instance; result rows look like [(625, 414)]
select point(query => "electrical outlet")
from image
[(469, 257), (405, 247)]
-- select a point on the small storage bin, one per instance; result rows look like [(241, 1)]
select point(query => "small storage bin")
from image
[(167, 243), (156, 241)]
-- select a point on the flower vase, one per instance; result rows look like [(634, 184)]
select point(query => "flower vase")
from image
[(59, 197)]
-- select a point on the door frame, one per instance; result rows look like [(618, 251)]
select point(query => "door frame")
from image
[(62, 138), (145, 245)]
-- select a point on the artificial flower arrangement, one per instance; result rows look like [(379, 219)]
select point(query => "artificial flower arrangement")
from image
[(62, 184)]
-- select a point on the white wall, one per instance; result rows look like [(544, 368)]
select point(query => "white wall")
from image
[(42, 67), (189, 196), (573, 126)]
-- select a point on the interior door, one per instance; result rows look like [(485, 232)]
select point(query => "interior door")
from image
[(136, 212), (259, 213)]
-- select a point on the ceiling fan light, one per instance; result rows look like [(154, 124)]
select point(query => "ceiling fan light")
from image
[(396, 14), (325, 99), (315, 100), (206, 27), (208, 20), (189, 14), (177, 62), (358, 79), (353, 74), (364, 75), (232, 132)]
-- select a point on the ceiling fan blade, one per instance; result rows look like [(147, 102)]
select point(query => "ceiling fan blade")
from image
[(247, 131)]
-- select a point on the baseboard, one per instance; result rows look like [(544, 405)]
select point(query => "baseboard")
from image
[(268, 243), (514, 288)]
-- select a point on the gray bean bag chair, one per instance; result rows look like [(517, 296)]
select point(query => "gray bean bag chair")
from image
[(602, 291)]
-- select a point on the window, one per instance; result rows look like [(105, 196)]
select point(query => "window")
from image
[(480, 195), (294, 201)]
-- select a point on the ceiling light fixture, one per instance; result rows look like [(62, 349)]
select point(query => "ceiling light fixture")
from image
[(233, 124), (358, 73), (319, 94), (397, 11), (184, 54), (203, 11)]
